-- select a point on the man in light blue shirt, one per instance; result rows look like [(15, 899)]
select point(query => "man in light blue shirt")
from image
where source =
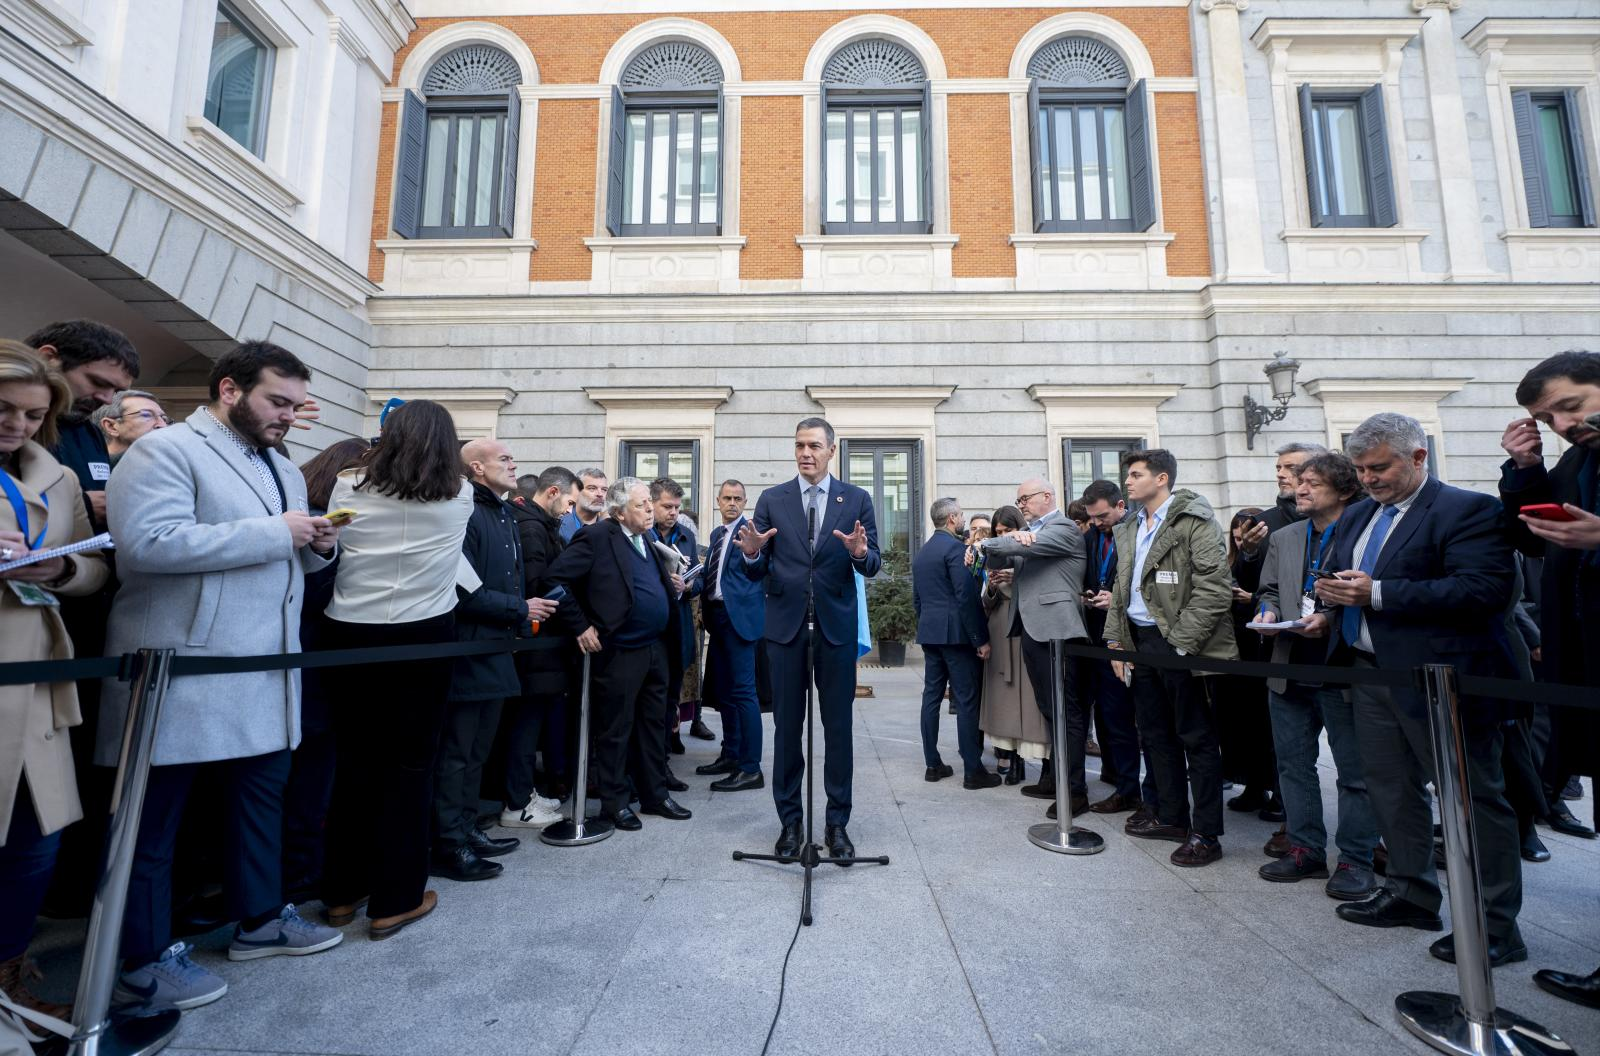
[(1149, 524)]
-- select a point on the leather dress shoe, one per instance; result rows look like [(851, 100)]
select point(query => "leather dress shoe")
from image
[(488, 847), (1143, 814), (1533, 848), (667, 808), (981, 779), (675, 742), (1249, 799), (1277, 844), (724, 764), (624, 819), (1584, 989), (1561, 820), (1046, 786), (1079, 803), (1197, 850), (1272, 809), (788, 845), (1501, 951), (1115, 803), (1388, 910), (674, 784), (1350, 883), (1299, 864), (1017, 772), (938, 773), (700, 731), (463, 864), (839, 845), (1153, 829), (738, 781), (1573, 789)]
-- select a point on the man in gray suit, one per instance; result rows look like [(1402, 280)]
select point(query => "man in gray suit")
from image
[(1047, 604), (213, 543)]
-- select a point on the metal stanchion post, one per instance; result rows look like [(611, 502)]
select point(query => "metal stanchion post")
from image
[(579, 829), (1469, 1025), (1061, 835), (96, 1033)]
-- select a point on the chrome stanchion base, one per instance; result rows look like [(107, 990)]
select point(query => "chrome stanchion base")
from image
[(572, 834), (1438, 1020), (1074, 841), (131, 1036)]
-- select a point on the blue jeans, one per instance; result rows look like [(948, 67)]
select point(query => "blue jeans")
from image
[(1298, 716), (959, 667), (732, 663), (26, 862)]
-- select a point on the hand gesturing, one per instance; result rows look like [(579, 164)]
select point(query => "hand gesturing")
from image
[(855, 542), (750, 540)]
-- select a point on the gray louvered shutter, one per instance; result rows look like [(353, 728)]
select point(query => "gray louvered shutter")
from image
[(1375, 146), (1142, 190), (927, 156), (508, 163), (1308, 140), (619, 148), (722, 170), (1580, 157), (1532, 167), (1035, 166), (822, 177), (411, 152)]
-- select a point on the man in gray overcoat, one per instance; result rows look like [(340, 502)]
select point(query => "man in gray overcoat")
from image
[(213, 543)]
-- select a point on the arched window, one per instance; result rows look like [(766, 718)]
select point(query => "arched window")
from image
[(875, 168), (666, 143), (458, 148), (1090, 144)]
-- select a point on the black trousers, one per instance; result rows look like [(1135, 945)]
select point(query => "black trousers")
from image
[(1036, 659), (252, 835), (464, 747), (386, 721), (835, 671), (1178, 723), (627, 700)]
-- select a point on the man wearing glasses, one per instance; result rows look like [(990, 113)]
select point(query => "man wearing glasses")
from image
[(130, 414)]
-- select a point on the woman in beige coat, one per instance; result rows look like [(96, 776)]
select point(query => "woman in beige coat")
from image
[(1013, 722), (42, 507)]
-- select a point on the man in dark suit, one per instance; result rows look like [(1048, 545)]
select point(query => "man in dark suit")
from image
[(734, 615), (1428, 577), (809, 535), (1113, 703), (628, 599), (666, 502), (954, 636)]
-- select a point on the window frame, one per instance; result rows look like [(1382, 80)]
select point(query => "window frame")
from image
[(456, 107), (1096, 445), (1536, 164), (915, 503), (261, 110), (1051, 100), (631, 446), (647, 101), (900, 99), (1377, 178)]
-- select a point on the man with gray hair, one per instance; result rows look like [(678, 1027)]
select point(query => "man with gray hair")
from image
[(130, 414), (1428, 577), (954, 635), (590, 505)]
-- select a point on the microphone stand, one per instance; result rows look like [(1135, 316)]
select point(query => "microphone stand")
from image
[(809, 858)]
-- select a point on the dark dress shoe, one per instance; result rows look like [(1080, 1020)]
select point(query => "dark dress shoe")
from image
[(1046, 788), (1143, 814), (738, 781), (1249, 799), (1501, 951), (674, 783), (1197, 850), (488, 847), (788, 845), (725, 764), (938, 773), (700, 731), (1573, 789), (1080, 805), (1533, 848), (667, 808), (463, 864), (1388, 910), (1561, 820), (624, 819), (1271, 810), (1295, 866), (675, 742), (981, 779), (1017, 772), (1115, 803), (1153, 829), (1277, 845), (839, 845), (1350, 883), (1584, 989)]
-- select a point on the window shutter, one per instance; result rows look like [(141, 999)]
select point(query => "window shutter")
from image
[(1142, 190), (822, 177), (1375, 145), (1528, 149), (619, 148), (1580, 157), (722, 172), (927, 156), (1035, 170), (508, 163), (1308, 140), (410, 153)]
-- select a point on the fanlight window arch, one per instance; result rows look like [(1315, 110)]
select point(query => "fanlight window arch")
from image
[(666, 155), (876, 102), (476, 69)]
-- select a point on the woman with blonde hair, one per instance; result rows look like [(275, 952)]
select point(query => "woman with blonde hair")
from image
[(43, 508)]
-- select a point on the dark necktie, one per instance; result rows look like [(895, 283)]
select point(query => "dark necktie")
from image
[(1351, 621), (714, 560), (811, 516)]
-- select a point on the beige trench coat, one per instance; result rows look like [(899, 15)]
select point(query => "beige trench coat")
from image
[(1008, 713), (34, 719)]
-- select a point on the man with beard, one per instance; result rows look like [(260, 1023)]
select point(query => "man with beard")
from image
[(1563, 393), (590, 506)]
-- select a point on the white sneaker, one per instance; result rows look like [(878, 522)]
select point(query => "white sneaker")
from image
[(546, 802), (534, 816)]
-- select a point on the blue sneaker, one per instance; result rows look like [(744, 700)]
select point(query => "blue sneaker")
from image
[(287, 934), (171, 981)]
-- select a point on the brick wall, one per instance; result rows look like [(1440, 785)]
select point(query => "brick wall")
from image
[(563, 201), (1183, 188), (771, 202), (981, 210)]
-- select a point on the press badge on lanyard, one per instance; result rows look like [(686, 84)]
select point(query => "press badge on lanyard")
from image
[(1308, 599), (30, 594)]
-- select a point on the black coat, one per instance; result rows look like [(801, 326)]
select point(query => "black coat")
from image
[(544, 668), (594, 569), (497, 610), (1247, 569)]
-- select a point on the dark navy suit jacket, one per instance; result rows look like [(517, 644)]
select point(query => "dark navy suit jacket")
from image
[(741, 595), (1448, 576), (946, 596), (785, 562)]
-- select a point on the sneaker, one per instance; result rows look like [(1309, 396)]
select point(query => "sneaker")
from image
[(546, 802), (288, 933), (170, 981), (536, 815)]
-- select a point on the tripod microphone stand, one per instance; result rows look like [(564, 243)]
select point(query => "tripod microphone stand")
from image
[(808, 857)]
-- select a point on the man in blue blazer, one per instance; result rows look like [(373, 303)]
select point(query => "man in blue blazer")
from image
[(1428, 578), (954, 635), (734, 615), (814, 530)]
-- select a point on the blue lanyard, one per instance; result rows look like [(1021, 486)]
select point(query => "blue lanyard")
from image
[(1322, 549), (20, 508), (1109, 552)]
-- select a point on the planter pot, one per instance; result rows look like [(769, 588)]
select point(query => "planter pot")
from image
[(892, 654)]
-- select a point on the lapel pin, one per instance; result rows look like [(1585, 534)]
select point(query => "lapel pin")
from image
[(838, 498)]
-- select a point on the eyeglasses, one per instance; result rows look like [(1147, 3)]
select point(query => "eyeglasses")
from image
[(148, 416), (1030, 495)]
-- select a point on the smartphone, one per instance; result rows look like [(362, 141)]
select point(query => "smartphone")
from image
[(1322, 573), (341, 517), (557, 595), (1547, 511)]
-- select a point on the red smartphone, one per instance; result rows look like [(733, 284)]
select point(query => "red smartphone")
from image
[(1547, 511)]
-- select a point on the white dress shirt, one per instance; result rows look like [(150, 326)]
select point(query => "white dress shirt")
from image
[(722, 559), (805, 500), (1138, 611), (1363, 640)]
